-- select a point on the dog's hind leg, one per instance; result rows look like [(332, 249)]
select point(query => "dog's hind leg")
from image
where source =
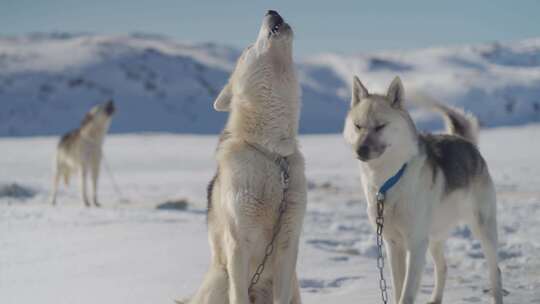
[(56, 181), (82, 179), (94, 175), (436, 249), (483, 223)]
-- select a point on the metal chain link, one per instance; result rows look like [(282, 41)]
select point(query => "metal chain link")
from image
[(380, 258), (284, 168)]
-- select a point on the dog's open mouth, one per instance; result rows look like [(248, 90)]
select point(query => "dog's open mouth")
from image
[(276, 27), (275, 22), (110, 108)]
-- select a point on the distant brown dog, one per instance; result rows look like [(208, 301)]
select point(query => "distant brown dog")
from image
[(80, 151)]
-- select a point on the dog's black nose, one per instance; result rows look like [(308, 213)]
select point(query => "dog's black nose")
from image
[(363, 151), (109, 107), (272, 13)]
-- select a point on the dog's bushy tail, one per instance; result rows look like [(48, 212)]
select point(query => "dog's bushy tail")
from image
[(456, 120)]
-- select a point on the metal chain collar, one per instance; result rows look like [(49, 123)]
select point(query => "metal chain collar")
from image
[(380, 197), (380, 257), (284, 168)]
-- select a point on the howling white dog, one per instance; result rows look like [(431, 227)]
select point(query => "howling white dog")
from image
[(259, 191), (427, 183), (80, 150)]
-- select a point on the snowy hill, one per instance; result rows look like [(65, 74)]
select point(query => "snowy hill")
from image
[(48, 81)]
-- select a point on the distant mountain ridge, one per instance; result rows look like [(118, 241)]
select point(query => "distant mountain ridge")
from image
[(48, 82)]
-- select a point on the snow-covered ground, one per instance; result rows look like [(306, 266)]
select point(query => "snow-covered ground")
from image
[(130, 252)]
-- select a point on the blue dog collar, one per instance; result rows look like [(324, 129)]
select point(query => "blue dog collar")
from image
[(389, 183)]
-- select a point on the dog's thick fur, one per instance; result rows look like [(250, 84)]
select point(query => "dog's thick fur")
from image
[(80, 150), (263, 98), (445, 182)]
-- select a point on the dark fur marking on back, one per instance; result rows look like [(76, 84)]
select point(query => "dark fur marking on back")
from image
[(209, 190), (223, 137), (68, 139), (86, 120), (458, 159)]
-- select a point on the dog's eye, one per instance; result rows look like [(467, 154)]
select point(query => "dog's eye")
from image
[(379, 127), (358, 127)]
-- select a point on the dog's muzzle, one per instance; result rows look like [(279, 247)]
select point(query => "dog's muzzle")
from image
[(110, 108), (363, 152), (275, 22)]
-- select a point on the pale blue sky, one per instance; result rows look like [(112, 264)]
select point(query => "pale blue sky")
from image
[(347, 26)]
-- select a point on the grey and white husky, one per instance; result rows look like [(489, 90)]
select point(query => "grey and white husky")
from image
[(445, 181), (244, 198), (80, 151)]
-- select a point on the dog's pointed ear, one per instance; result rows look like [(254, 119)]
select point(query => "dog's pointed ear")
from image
[(396, 93), (359, 91), (223, 101)]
